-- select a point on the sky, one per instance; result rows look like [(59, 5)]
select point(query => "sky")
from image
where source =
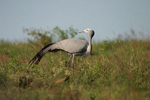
[(107, 18)]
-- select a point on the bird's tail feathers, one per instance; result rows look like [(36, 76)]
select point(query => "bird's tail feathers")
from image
[(36, 59)]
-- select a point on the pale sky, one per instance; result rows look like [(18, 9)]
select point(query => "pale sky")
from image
[(107, 18)]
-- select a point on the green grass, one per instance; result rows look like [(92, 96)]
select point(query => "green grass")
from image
[(117, 70)]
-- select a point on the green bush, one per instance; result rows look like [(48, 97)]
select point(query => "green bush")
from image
[(45, 37)]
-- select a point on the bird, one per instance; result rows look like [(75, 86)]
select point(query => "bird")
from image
[(74, 47)]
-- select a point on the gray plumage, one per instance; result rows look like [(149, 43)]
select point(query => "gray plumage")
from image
[(75, 47)]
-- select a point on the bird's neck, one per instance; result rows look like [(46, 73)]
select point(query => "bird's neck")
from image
[(89, 49)]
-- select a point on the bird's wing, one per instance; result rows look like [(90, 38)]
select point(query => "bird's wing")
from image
[(72, 45)]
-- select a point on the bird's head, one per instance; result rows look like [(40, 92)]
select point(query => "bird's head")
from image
[(89, 31)]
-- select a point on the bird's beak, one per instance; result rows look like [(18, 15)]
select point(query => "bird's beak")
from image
[(82, 31)]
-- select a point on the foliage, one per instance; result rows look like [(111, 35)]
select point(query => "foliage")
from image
[(117, 70), (45, 37)]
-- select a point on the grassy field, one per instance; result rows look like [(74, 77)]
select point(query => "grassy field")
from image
[(117, 70)]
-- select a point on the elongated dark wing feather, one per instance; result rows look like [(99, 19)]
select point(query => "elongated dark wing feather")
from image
[(36, 59)]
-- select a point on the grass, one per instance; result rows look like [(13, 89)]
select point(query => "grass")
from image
[(117, 70)]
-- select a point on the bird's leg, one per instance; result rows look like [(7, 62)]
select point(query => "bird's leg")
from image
[(69, 60), (72, 60)]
